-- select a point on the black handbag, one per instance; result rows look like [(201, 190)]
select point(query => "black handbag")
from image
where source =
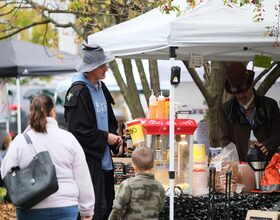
[(28, 186)]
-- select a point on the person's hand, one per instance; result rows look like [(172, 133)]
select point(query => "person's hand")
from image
[(264, 149), (114, 139), (120, 150), (87, 217), (120, 141)]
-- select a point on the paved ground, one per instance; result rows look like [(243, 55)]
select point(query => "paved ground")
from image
[(7, 211)]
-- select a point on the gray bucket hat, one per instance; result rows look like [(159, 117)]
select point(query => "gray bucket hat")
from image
[(93, 56)]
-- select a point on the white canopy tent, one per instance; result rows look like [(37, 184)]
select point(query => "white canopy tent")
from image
[(216, 31)]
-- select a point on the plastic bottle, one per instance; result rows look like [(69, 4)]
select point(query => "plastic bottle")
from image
[(161, 106), (152, 106), (166, 108)]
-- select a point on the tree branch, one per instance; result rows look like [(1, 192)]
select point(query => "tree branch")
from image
[(65, 11), (264, 73), (143, 78), (24, 28), (8, 3), (9, 12), (269, 80), (197, 80)]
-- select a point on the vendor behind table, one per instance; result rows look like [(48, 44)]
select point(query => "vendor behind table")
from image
[(247, 111)]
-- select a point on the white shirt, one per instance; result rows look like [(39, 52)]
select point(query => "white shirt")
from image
[(75, 186)]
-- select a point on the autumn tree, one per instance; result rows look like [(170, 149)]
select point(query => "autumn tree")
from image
[(85, 18)]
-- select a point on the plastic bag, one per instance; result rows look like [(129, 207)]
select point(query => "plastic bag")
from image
[(271, 178), (227, 160)]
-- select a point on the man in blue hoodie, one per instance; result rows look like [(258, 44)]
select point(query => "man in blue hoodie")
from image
[(91, 119)]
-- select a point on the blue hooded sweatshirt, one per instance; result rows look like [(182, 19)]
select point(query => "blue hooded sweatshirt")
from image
[(100, 106)]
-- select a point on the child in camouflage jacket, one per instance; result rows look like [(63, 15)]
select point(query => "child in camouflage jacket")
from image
[(139, 197)]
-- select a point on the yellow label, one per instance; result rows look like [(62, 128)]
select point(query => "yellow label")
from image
[(136, 132), (199, 150)]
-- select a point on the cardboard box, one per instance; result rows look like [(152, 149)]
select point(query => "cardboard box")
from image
[(262, 215)]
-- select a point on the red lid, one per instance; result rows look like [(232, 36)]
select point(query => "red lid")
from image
[(161, 126), (135, 122)]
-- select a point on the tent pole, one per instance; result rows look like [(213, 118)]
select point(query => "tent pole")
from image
[(171, 153), (8, 127), (18, 106), (172, 56)]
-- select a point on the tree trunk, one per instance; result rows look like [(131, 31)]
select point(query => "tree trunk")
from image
[(216, 90), (143, 78), (213, 125), (133, 95), (269, 80), (154, 76), (213, 94), (129, 91)]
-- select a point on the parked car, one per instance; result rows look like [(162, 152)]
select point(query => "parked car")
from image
[(26, 94)]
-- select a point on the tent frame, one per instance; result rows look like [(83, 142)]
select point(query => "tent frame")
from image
[(171, 172)]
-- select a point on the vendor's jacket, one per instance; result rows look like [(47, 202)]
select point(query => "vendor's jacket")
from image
[(139, 197), (80, 116), (234, 126)]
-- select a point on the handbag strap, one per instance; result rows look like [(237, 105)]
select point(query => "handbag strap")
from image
[(27, 138), (29, 142)]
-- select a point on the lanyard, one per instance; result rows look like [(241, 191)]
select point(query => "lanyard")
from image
[(250, 117)]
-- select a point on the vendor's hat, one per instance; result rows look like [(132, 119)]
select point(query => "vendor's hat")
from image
[(238, 78), (93, 56)]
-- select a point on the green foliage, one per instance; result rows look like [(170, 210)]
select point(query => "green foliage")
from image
[(166, 6), (2, 193), (75, 6), (44, 34), (91, 16)]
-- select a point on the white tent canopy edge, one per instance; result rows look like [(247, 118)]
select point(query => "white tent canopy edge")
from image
[(219, 32)]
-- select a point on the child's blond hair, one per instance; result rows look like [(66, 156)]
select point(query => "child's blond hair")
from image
[(143, 158)]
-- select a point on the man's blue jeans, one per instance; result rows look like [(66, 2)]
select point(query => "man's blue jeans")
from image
[(61, 213)]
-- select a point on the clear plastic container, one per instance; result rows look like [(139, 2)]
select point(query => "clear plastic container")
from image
[(246, 177), (200, 182)]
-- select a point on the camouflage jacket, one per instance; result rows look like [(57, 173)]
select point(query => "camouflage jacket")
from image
[(139, 197)]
